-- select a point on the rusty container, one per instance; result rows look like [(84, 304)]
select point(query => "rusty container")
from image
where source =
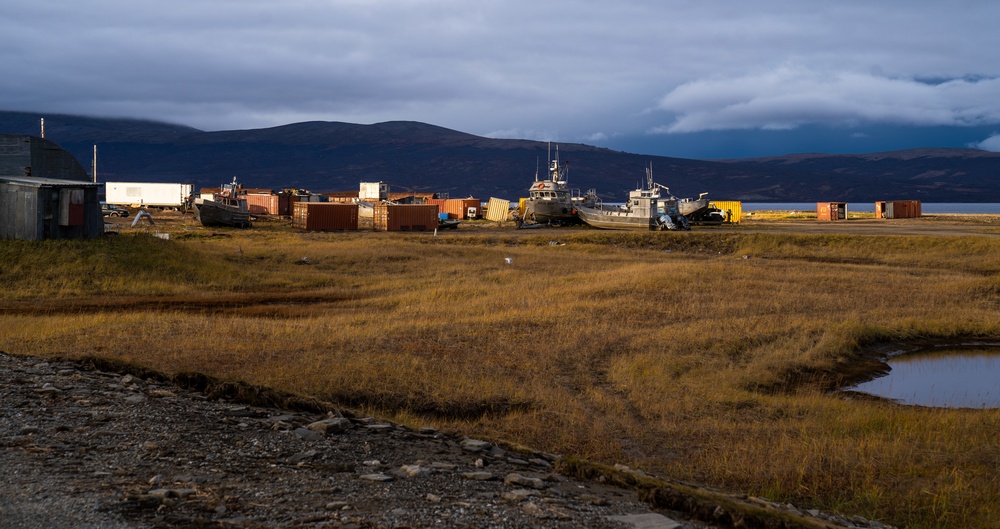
[(262, 204), (831, 210), (405, 217), (898, 209), (460, 208), (440, 203), (325, 216)]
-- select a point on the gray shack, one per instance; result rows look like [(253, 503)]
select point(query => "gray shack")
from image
[(44, 192)]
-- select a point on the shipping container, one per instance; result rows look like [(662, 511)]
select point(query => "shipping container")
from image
[(831, 210), (898, 209), (325, 216), (498, 209), (342, 197), (732, 210), (439, 202), (405, 217), (147, 194), (263, 204), (462, 208)]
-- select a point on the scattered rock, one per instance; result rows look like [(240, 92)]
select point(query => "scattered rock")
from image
[(523, 481), (96, 449), (334, 425)]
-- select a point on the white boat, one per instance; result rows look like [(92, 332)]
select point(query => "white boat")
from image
[(646, 209)]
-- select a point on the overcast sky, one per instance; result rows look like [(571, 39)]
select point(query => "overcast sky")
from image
[(696, 78)]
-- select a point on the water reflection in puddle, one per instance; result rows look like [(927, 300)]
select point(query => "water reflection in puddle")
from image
[(952, 378)]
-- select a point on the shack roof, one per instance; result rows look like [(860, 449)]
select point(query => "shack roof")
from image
[(45, 182)]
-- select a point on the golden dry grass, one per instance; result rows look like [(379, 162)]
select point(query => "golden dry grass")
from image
[(702, 356)]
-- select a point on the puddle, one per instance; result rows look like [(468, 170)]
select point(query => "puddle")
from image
[(944, 378)]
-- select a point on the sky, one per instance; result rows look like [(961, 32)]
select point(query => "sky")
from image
[(696, 79)]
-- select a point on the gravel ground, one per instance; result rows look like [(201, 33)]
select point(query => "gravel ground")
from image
[(85, 448)]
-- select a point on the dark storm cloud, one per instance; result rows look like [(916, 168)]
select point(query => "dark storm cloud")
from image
[(570, 71)]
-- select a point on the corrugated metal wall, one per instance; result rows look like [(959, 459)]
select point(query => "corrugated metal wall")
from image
[(898, 209), (325, 216), (263, 204), (733, 210), (498, 209), (405, 217), (33, 211)]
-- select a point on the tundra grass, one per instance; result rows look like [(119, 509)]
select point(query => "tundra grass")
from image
[(705, 357)]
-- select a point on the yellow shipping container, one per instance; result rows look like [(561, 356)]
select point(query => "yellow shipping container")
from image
[(498, 210), (732, 209)]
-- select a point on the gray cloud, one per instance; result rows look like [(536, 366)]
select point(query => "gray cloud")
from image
[(546, 70), (991, 144), (791, 96)]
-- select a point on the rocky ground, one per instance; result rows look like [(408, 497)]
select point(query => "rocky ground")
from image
[(95, 444), (89, 448)]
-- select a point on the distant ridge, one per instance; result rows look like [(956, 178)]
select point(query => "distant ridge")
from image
[(413, 156)]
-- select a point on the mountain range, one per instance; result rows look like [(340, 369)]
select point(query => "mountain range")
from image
[(419, 157)]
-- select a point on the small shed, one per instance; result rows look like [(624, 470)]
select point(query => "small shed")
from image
[(831, 210), (49, 208), (897, 209), (44, 192)]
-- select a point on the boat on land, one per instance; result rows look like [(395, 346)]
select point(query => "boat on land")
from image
[(550, 201), (696, 210), (646, 209), (228, 207)]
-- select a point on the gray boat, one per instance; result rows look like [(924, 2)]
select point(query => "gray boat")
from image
[(228, 207), (646, 209), (550, 201)]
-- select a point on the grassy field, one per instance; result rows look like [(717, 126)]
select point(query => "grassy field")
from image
[(711, 356)]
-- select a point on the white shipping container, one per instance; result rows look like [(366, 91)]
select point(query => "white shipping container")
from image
[(147, 194), (373, 191)]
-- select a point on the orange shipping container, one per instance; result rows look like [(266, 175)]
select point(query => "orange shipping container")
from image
[(458, 208), (325, 216), (405, 217), (831, 210)]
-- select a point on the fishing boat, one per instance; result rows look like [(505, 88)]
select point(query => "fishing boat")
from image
[(550, 201), (646, 209), (228, 207)]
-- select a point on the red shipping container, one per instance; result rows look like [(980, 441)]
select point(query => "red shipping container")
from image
[(325, 216), (405, 217)]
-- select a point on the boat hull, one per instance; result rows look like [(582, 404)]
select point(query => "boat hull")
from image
[(545, 211), (213, 214), (690, 207), (610, 219)]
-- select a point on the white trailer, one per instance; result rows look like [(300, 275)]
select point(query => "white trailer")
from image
[(147, 194)]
